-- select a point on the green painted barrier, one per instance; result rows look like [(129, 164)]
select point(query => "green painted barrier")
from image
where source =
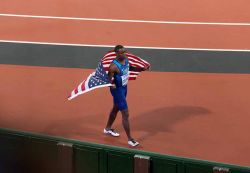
[(25, 152)]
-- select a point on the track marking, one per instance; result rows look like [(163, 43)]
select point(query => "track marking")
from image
[(133, 47), (126, 21)]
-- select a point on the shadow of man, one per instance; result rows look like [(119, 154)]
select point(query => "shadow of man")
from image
[(164, 119)]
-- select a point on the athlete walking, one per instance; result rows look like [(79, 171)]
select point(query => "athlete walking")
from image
[(119, 71)]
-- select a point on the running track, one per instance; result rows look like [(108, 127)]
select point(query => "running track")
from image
[(199, 115)]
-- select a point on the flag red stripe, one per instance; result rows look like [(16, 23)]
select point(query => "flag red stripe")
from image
[(135, 60), (76, 91), (132, 78), (131, 73), (135, 64), (138, 58), (135, 57), (83, 86)]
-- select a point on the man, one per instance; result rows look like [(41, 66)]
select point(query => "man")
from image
[(119, 71)]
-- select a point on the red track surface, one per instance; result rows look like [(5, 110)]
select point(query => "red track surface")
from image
[(203, 116), (178, 10), (139, 34)]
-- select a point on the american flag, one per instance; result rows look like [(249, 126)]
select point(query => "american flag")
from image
[(99, 78), (133, 61)]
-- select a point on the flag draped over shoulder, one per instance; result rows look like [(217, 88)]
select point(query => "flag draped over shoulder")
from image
[(99, 78)]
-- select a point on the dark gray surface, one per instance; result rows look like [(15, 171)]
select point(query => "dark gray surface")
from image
[(161, 60)]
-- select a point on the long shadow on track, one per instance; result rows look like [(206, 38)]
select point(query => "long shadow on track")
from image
[(164, 119)]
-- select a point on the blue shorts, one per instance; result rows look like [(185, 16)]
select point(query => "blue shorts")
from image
[(119, 95)]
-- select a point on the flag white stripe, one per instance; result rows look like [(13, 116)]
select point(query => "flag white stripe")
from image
[(109, 58), (100, 86), (107, 61), (79, 88), (72, 93), (134, 63), (139, 62), (134, 72), (133, 75), (109, 54), (106, 65)]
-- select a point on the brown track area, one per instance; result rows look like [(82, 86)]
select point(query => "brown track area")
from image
[(204, 116), (133, 34), (178, 10)]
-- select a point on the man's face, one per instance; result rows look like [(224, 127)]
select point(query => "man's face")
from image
[(121, 54)]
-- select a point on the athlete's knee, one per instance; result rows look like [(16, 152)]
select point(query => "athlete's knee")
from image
[(115, 109), (125, 114)]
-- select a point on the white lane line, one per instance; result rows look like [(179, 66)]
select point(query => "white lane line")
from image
[(133, 47), (127, 21)]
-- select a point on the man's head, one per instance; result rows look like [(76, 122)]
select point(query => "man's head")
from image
[(120, 52)]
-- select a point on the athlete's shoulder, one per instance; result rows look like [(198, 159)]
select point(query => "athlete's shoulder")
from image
[(113, 67)]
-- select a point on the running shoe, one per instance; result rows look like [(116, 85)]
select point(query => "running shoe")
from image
[(133, 143), (111, 132)]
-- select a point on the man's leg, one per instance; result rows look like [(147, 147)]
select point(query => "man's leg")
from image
[(125, 123), (112, 117)]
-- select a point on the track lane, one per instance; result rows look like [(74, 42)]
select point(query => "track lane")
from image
[(179, 10), (198, 115), (133, 34)]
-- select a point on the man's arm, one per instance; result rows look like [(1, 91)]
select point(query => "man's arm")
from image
[(112, 70), (138, 69)]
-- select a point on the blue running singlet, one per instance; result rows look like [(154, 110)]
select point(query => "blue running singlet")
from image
[(121, 79)]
